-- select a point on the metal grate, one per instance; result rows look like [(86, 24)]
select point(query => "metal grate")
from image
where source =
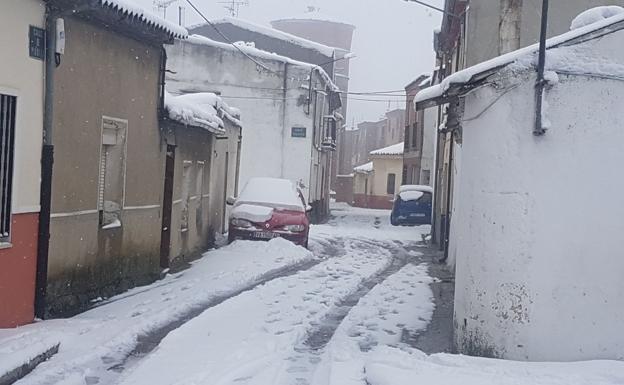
[(7, 143)]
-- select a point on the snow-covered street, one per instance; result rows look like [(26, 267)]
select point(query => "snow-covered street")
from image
[(261, 313)]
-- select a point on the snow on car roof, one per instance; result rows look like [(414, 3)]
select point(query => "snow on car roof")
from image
[(271, 192), (415, 187), (411, 195)]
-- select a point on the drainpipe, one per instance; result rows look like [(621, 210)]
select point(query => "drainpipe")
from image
[(47, 161), (539, 129)]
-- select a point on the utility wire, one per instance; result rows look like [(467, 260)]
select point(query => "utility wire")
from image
[(230, 41)]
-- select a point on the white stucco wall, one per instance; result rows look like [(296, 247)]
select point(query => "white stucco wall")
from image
[(22, 76), (429, 142), (268, 149), (538, 224)]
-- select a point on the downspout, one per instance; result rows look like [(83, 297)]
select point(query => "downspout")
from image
[(447, 223), (47, 161), (163, 79), (284, 112), (436, 179), (539, 129)]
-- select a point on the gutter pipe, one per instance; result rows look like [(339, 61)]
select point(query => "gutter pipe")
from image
[(539, 129)]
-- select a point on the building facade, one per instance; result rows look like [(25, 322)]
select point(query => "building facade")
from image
[(532, 283), (376, 183), (497, 201), (201, 172), (107, 179), (337, 34), (294, 126), (370, 136), (21, 124)]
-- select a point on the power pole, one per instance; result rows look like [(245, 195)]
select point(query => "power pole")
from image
[(162, 5), (233, 6)]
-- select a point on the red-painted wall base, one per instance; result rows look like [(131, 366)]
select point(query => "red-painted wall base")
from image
[(18, 265)]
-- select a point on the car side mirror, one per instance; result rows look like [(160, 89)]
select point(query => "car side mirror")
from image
[(308, 208), (230, 201)]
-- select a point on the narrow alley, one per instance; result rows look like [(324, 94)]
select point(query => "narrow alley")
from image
[(291, 317)]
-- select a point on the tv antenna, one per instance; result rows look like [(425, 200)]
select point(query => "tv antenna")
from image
[(233, 6), (162, 5)]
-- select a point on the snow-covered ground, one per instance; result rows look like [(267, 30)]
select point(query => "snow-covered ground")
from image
[(271, 313), (392, 366), (93, 342)]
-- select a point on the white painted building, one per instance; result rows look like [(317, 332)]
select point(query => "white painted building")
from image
[(287, 134), (21, 126), (537, 222)]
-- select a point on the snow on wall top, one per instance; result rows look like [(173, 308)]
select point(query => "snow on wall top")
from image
[(130, 8), (467, 75), (365, 168), (594, 15), (277, 34), (251, 50), (316, 16), (202, 110), (271, 192), (395, 149)]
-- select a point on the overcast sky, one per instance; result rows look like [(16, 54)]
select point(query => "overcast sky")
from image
[(392, 41)]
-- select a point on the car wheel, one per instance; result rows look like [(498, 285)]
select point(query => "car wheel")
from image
[(393, 222)]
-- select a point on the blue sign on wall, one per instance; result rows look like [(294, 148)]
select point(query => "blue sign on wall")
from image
[(298, 132), (36, 40)]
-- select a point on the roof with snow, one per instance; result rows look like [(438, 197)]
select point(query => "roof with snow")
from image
[(588, 25), (274, 33), (124, 15), (131, 9), (204, 110), (364, 169), (395, 149), (251, 50)]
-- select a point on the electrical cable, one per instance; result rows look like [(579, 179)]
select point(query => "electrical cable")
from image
[(230, 41)]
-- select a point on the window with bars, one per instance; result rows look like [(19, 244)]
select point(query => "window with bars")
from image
[(8, 105)]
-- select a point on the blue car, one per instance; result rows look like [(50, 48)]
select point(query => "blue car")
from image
[(412, 206)]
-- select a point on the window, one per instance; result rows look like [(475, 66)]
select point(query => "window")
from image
[(415, 136), (7, 142), (404, 175), (112, 170), (390, 188), (425, 178), (414, 176), (407, 136), (426, 198)]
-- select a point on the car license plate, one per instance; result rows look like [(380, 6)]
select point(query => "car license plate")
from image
[(417, 215), (265, 235)]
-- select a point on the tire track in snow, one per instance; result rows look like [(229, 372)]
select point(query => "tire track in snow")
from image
[(311, 352), (107, 369), (250, 339)]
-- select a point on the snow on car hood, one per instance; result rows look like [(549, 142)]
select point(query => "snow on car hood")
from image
[(252, 213)]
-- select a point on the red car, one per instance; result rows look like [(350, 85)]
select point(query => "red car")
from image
[(269, 208)]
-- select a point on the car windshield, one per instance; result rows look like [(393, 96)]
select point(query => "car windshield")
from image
[(271, 192)]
